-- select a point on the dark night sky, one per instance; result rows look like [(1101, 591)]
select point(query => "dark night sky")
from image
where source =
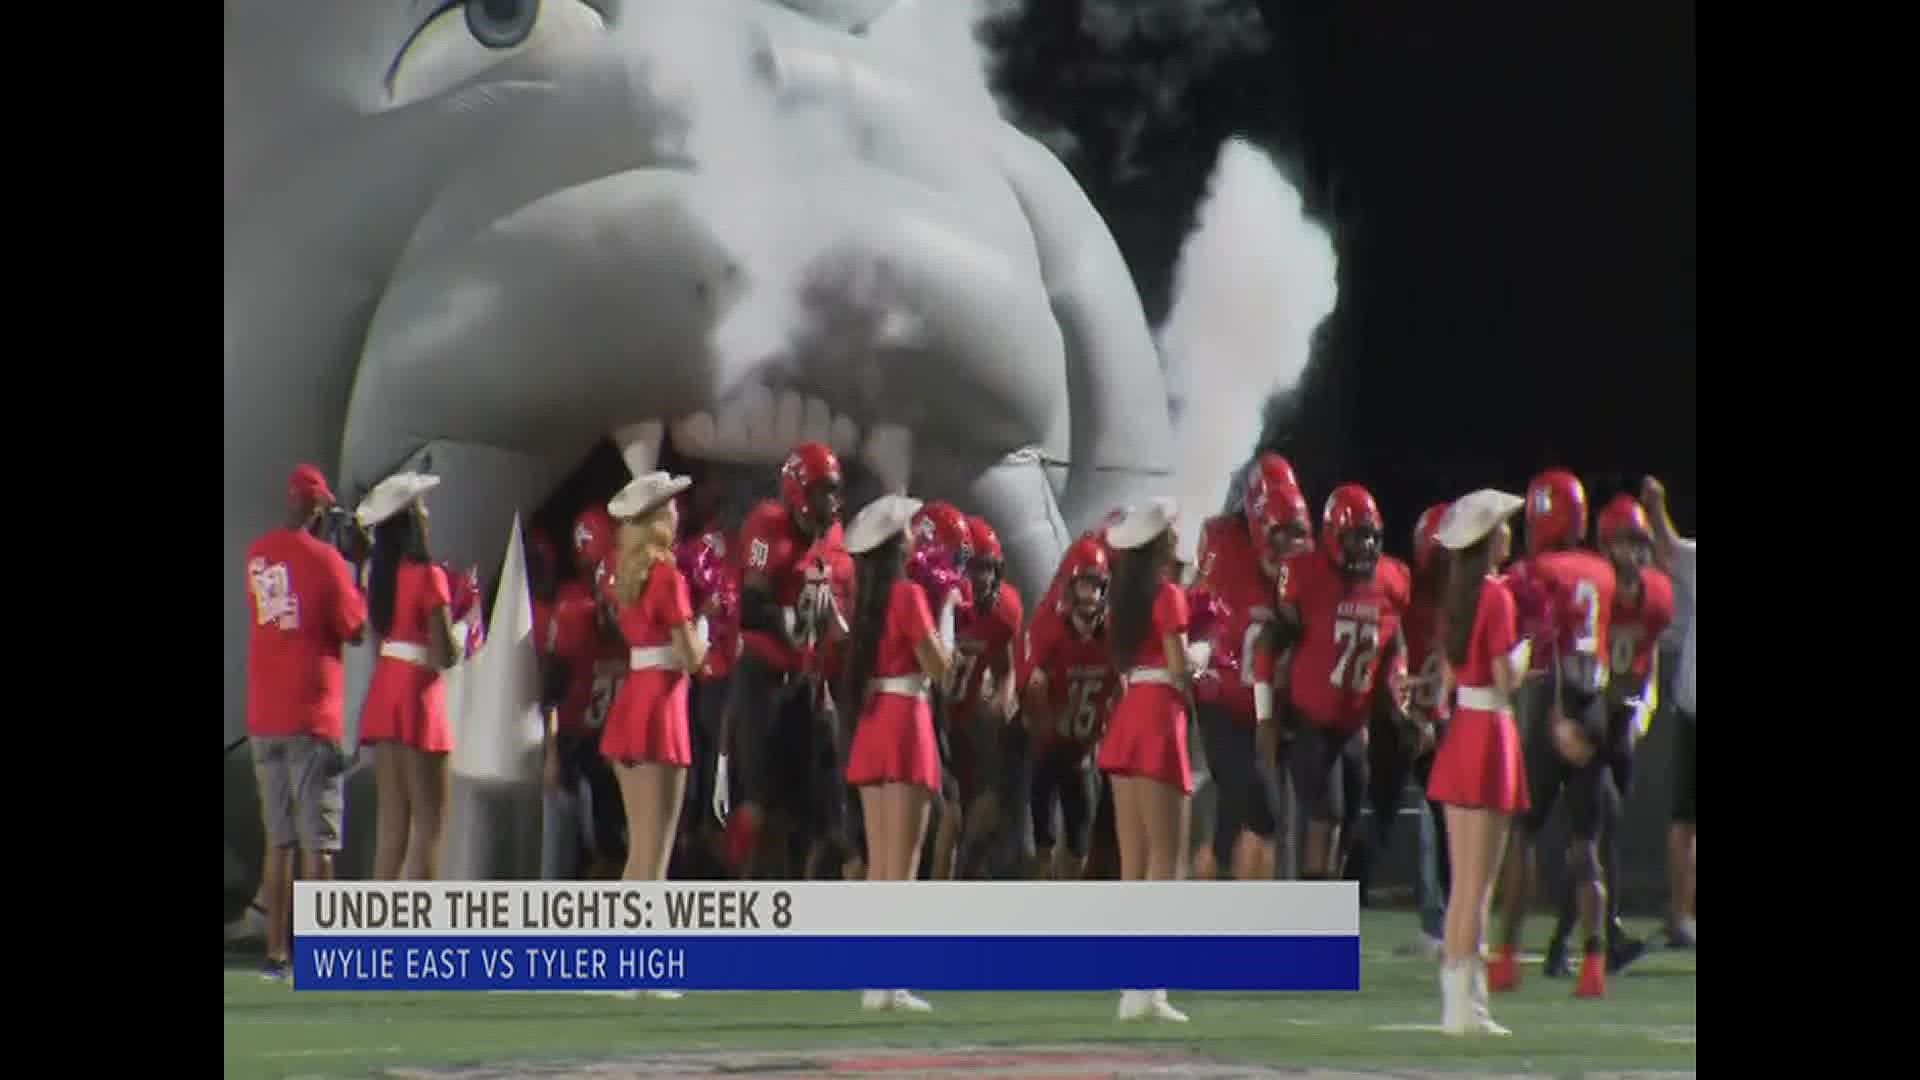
[(1511, 189)]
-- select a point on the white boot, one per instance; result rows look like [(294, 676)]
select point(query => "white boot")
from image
[(1477, 1000), (876, 1000), (1163, 1010), (1135, 1004), (902, 1001), (1456, 1006)]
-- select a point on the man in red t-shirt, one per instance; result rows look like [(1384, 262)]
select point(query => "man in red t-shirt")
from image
[(305, 609)]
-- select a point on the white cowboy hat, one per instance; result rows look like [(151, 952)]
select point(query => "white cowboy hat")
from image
[(645, 494), (880, 521), (1138, 525), (394, 494), (1472, 517)]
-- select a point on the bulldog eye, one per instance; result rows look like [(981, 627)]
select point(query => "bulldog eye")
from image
[(462, 39), (501, 24)]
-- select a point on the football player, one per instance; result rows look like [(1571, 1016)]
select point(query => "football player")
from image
[(786, 606), (590, 657), (1239, 561), (1564, 597), (1340, 611), (1642, 611), (1068, 685), (1430, 703), (982, 702), (940, 528)]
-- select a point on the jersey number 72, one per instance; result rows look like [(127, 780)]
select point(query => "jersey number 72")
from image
[(1360, 645)]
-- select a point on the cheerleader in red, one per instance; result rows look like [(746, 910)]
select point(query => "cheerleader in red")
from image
[(1144, 753), (404, 717), (895, 662), (646, 736), (1477, 772)]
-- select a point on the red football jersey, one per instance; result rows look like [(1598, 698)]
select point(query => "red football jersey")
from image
[(574, 637), (724, 644), (1081, 682), (1634, 629), (1578, 587), (827, 571), (304, 607), (771, 544), (1345, 627), (1230, 569), (983, 643), (1424, 630)]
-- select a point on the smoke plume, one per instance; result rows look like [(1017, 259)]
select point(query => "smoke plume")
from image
[(1255, 279)]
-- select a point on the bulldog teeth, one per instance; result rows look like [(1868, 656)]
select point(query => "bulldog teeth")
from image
[(760, 427), (758, 406), (790, 420), (696, 436), (888, 451), (817, 426), (640, 445), (844, 435)]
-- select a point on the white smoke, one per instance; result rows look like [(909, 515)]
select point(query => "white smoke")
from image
[(1255, 279)]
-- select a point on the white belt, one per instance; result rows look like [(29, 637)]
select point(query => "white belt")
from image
[(652, 658), (913, 686), (1483, 698), (1158, 675), (406, 650)]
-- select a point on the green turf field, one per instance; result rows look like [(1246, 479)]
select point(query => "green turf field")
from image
[(1647, 1024)]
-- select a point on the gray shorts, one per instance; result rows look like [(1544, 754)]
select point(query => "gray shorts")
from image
[(302, 784)]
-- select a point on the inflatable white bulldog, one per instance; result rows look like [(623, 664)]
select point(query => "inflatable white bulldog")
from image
[(498, 231), (491, 233)]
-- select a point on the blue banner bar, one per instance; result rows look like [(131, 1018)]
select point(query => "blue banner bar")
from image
[(1320, 963)]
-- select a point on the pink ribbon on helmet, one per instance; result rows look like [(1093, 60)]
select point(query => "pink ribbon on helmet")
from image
[(932, 567)]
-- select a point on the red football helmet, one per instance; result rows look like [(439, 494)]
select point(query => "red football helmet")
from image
[(987, 564), (1624, 514), (1426, 534), (1270, 475), (1087, 558), (1556, 511), (1274, 502), (1350, 529), (593, 533), (1625, 533), (810, 484), (986, 542), (944, 526)]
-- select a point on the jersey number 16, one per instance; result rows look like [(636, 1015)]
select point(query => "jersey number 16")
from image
[(1083, 711)]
